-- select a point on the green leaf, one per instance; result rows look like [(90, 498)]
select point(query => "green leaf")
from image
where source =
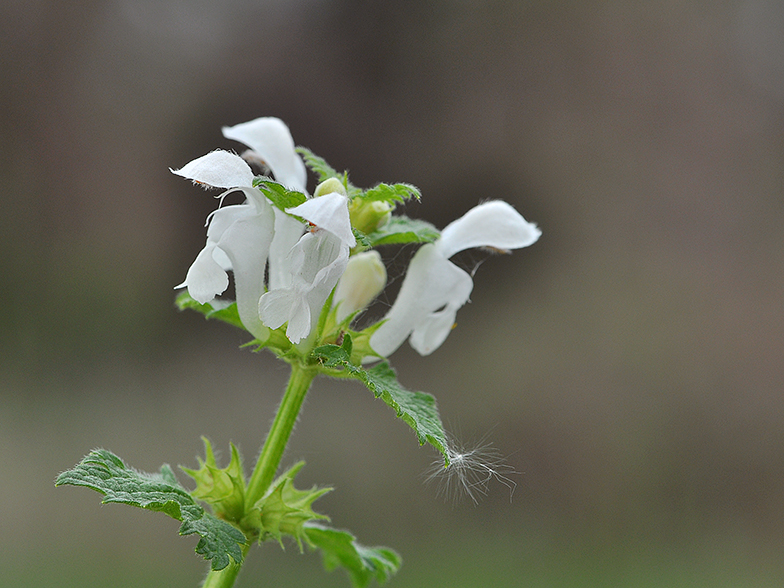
[(339, 548), (278, 194), (106, 473), (222, 310), (324, 171), (318, 165), (418, 409), (401, 229), (392, 193)]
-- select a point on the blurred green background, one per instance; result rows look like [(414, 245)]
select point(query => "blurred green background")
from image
[(629, 364)]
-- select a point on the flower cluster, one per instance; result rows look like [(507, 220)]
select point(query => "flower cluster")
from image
[(310, 264)]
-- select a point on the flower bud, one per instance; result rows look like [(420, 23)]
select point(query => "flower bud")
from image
[(363, 280), (329, 186), (369, 216)]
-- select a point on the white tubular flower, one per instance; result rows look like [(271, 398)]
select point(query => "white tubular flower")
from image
[(434, 288), (317, 261), (270, 141), (238, 238), (363, 280)]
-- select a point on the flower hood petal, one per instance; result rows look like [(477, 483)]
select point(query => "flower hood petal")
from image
[(328, 212), (271, 139), (219, 169), (492, 224)]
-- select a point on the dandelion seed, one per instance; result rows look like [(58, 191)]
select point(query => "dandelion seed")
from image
[(470, 471)]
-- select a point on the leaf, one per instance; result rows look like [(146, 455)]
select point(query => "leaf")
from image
[(324, 171), (418, 409), (217, 309), (392, 193), (339, 548), (318, 165), (401, 229), (278, 194), (106, 473)]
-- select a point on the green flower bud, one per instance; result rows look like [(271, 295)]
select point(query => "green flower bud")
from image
[(363, 280), (368, 216), (329, 186)]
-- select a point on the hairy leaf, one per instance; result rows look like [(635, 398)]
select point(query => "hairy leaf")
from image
[(278, 194), (401, 229), (324, 171), (106, 473), (339, 548), (318, 165), (418, 409), (392, 193)]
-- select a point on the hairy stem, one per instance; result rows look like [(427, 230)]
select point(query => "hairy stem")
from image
[(269, 459), (278, 436)]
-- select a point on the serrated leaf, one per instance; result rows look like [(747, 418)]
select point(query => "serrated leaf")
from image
[(401, 229), (339, 548), (418, 409), (278, 194), (324, 171), (104, 472), (318, 165), (217, 309), (392, 193)]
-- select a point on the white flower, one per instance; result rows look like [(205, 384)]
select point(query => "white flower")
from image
[(363, 280), (317, 261), (271, 143), (434, 288), (238, 238)]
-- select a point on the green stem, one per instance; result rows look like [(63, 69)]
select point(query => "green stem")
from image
[(278, 436), (269, 459)]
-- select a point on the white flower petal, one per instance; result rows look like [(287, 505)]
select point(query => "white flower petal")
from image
[(492, 224), (275, 307), (301, 321), (224, 217), (287, 232), (219, 169), (271, 139), (328, 212), (433, 330), (246, 243), (317, 261), (206, 278), (432, 283)]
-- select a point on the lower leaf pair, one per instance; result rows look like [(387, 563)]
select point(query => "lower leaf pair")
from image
[(284, 510)]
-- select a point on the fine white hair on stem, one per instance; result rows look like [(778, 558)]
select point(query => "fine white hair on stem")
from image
[(471, 469)]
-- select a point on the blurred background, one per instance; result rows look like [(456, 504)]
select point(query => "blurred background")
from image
[(628, 365)]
